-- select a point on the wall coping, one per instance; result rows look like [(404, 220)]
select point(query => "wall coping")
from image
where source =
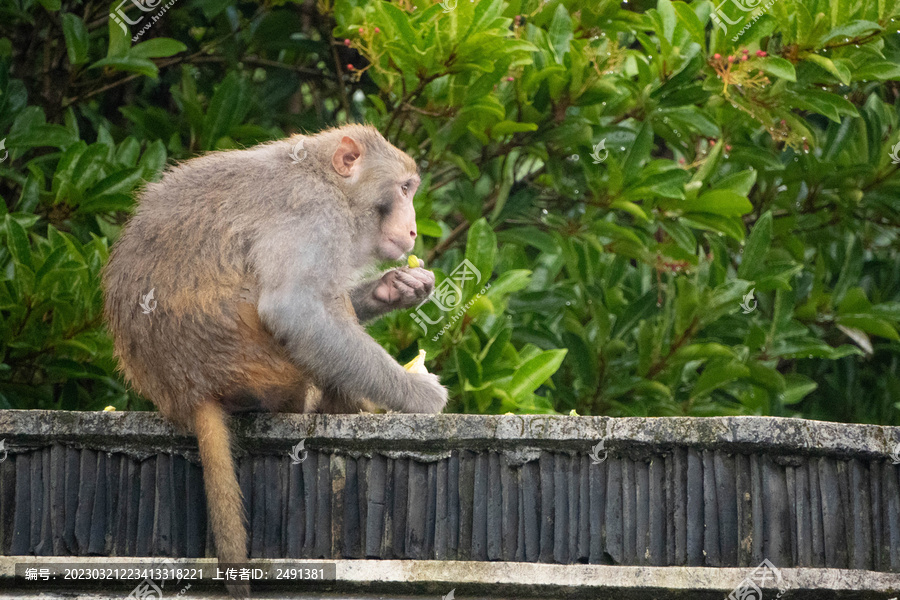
[(433, 436)]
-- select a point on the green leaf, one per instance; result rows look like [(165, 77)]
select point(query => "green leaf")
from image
[(469, 368), (740, 183), (119, 37), (17, 241), (481, 248), (718, 202), (76, 35), (153, 160), (428, 227), (756, 248), (840, 71), (779, 67), (877, 71), (560, 32), (703, 350), (535, 372), (400, 20), (639, 151), (157, 48), (129, 63), (227, 109), (797, 387), (667, 15), (852, 30), (508, 127), (733, 227), (509, 282), (869, 324), (688, 18), (716, 375), (811, 348), (116, 183)]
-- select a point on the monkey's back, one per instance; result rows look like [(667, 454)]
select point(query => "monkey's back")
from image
[(188, 242)]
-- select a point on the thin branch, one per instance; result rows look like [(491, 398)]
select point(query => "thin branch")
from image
[(340, 79)]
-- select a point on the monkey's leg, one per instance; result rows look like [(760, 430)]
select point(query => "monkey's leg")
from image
[(226, 510)]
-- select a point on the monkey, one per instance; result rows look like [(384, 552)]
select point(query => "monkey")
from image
[(258, 261)]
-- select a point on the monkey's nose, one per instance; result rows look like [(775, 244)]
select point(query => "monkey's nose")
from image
[(412, 234)]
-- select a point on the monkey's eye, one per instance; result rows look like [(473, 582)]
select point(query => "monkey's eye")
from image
[(405, 188)]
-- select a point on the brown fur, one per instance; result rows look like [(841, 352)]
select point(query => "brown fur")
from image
[(219, 479)]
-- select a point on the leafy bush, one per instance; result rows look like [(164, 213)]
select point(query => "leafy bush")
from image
[(620, 176)]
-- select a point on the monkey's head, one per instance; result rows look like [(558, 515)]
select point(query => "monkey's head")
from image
[(380, 181)]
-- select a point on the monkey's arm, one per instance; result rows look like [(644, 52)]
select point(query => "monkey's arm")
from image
[(397, 288), (301, 304)]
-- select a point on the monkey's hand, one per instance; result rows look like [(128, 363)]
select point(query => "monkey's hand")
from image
[(404, 287), (428, 395), (397, 288)]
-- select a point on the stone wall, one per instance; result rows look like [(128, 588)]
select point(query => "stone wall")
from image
[(685, 492)]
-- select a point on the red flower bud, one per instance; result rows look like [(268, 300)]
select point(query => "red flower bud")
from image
[(761, 53), (717, 56), (349, 67), (346, 42)]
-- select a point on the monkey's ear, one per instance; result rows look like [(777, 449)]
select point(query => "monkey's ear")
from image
[(346, 156)]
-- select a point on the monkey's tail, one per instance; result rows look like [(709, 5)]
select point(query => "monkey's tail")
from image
[(223, 495)]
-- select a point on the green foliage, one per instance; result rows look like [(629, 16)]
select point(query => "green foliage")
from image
[(620, 176)]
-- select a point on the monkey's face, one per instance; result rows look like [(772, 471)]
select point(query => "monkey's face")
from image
[(382, 182), (397, 218)]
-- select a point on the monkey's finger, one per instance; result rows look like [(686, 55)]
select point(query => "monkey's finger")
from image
[(407, 281), (405, 291), (426, 277)]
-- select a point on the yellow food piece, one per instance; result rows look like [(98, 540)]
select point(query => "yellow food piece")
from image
[(417, 365), (414, 262), (109, 409)]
